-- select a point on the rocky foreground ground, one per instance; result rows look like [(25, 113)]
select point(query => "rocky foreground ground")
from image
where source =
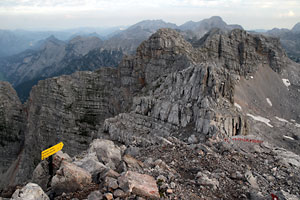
[(216, 169)]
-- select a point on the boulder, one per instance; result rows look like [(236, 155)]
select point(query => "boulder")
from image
[(111, 183), (107, 152), (96, 195), (204, 178), (70, 178), (139, 184), (30, 192), (41, 174), (59, 157), (132, 162), (91, 164)]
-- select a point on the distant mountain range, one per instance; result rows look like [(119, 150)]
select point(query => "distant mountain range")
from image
[(16, 41), (55, 57), (41, 55), (290, 40)]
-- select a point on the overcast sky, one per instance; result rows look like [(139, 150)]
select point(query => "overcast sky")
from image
[(64, 14)]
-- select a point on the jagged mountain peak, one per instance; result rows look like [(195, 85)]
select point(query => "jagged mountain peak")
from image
[(200, 28), (52, 38), (165, 40), (296, 28)]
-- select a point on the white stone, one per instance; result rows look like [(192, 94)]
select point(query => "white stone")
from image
[(30, 192), (286, 82), (238, 106)]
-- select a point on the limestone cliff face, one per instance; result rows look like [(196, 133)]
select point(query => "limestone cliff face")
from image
[(195, 97), (11, 126), (70, 109), (169, 88)]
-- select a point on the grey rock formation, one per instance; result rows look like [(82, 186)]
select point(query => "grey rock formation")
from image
[(30, 192), (195, 97), (11, 126)]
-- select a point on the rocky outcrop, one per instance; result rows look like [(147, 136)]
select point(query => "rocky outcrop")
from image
[(191, 99), (11, 126)]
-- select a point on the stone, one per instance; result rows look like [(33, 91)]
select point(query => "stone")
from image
[(91, 164), (31, 191), (149, 163), (132, 162), (251, 179), (161, 178), (287, 157), (139, 184), (133, 151), (203, 179), (173, 185), (109, 173), (111, 183), (108, 196), (119, 193), (41, 174), (95, 195), (58, 157), (192, 139), (107, 152), (70, 178), (169, 191), (289, 196)]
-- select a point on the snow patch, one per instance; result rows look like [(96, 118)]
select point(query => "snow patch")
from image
[(282, 120), (288, 137), (269, 102), (292, 120), (297, 125), (251, 77), (238, 106), (261, 119), (286, 82)]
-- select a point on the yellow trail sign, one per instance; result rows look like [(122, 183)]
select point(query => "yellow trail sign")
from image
[(52, 150)]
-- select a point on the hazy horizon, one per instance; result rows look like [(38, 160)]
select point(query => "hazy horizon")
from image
[(69, 14)]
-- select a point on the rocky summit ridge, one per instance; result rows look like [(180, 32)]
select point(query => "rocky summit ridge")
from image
[(172, 98)]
